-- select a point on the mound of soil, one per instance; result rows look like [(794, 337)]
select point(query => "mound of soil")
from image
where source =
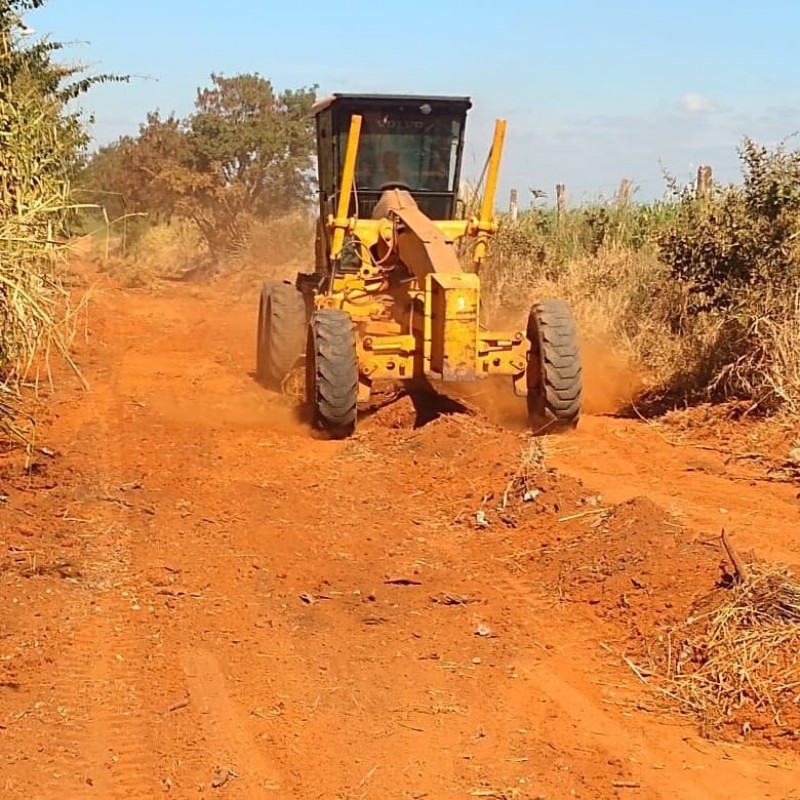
[(482, 473), (635, 566), (653, 585)]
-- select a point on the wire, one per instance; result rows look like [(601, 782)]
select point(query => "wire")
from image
[(475, 198)]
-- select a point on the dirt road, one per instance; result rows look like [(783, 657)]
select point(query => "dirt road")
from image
[(200, 600)]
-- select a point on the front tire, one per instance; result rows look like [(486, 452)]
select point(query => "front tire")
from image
[(554, 373), (332, 372), (281, 332)]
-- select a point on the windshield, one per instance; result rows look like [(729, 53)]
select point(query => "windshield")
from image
[(416, 150)]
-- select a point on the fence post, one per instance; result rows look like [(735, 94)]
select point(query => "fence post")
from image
[(561, 201), (513, 207), (624, 193), (704, 180)]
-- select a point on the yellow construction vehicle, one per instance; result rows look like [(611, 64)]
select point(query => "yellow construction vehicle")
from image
[(389, 299)]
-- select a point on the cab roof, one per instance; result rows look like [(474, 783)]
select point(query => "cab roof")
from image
[(354, 100)]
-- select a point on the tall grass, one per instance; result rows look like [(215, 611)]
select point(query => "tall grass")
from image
[(34, 203), (40, 146), (270, 249)]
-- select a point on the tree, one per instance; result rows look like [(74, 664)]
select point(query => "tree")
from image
[(141, 173), (244, 154)]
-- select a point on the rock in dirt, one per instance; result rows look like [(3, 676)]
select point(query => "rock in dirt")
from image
[(221, 778)]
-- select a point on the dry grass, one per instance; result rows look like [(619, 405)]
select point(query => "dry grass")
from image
[(755, 356), (735, 659), (632, 312), (29, 286), (275, 249), (275, 242), (701, 294), (162, 252), (272, 250), (622, 300)]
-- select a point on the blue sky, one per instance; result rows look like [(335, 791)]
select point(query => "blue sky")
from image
[(592, 91)]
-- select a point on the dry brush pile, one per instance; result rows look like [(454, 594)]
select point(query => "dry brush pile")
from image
[(733, 662)]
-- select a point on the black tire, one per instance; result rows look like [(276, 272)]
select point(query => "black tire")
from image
[(281, 332), (554, 373), (332, 372)]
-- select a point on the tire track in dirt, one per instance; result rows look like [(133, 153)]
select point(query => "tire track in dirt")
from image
[(105, 661), (551, 676), (98, 671), (122, 736), (213, 733), (225, 727), (63, 766)]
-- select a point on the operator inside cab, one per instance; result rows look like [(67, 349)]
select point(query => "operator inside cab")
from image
[(390, 171)]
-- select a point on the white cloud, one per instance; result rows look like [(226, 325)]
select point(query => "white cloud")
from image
[(697, 102)]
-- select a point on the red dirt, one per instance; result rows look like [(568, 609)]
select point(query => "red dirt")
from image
[(196, 592)]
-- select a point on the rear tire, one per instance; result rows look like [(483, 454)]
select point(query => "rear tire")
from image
[(554, 373), (332, 372), (281, 332)]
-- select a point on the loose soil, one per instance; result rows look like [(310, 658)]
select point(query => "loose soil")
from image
[(201, 599)]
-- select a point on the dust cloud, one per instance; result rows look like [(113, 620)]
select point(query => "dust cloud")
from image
[(610, 383)]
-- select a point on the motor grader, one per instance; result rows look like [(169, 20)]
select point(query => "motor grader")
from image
[(389, 299)]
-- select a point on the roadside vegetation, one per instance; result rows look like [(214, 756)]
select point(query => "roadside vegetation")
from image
[(699, 294), (226, 186), (698, 297), (41, 144)]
